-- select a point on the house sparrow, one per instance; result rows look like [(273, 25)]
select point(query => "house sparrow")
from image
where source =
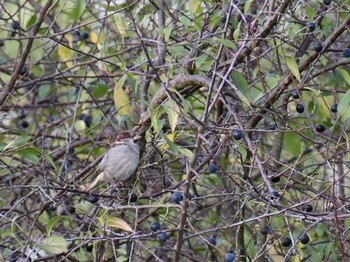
[(120, 162)]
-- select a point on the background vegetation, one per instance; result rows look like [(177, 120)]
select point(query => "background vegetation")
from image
[(243, 107)]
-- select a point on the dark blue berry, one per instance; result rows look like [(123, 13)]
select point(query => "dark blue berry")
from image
[(92, 199), (334, 108), (286, 241), (238, 134), (213, 168), (295, 94), (275, 195), (320, 128), (272, 126), (177, 197), (230, 257), (265, 230), (275, 179), (212, 241), (89, 248), (15, 25), (155, 226), (300, 108), (162, 237), (133, 197), (311, 26), (318, 47), (304, 239), (24, 70), (346, 52), (307, 208)]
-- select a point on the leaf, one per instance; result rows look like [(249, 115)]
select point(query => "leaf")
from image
[(227, 43), (93, 37), (237, 32), (66, 55), (239, 81), (52, 222), (246, 6), (119, 22), (186, 152), (292, 143), (172, 110), (194, 6), (345, 75), (78, 10), (169, 139), (293, 66), (156, 122), (121, 100), (30, 154), (101, 40), (54, 244), (344, 104), (116, 222)]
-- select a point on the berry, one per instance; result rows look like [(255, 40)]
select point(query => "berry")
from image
[(272, 126), (327, 2), (177, 197), (13, 257), (212, 240), (318, 47), (238, 134), (307, 208), (265, 230), (92, 199), (275, 179), (346, 52), (133, 197), (311, 26), (229, 257), (15, 25), (300, 108), (304, 239), (320, 128), (295, 94), (51, 206), (85, 35), (155, 226), (334, 108), (24, 124), (86, 118), (24, 70), (286, 241), (71, 209), (76, 32), (89, 248), (213, 168), (162, 237), (200, 159), (275, 195)]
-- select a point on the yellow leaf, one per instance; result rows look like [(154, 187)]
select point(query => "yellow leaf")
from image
[(100, 43), (171, 137), (119, 22), (116, 222), (186, 152), (121, 100), (93, 37), (69, 38), (194, 6), (66, 55)]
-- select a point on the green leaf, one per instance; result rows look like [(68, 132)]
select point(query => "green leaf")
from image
[(246, 6), (293, 66), (172, 110), (239, 81), (52, 222), (344, 104), (292, 143), (99, 90), (226, 42), (237, 32), (30, 154), (186, 152), (194, 6), (54, 244), (345, 75), (156, 122), (78, 10), (172, 146)]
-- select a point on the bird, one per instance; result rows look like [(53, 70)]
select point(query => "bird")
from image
[(120, 162)]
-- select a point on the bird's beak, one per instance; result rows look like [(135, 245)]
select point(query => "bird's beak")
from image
[(137, 137)]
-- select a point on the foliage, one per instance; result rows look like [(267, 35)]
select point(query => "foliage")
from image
[(185, 75)]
